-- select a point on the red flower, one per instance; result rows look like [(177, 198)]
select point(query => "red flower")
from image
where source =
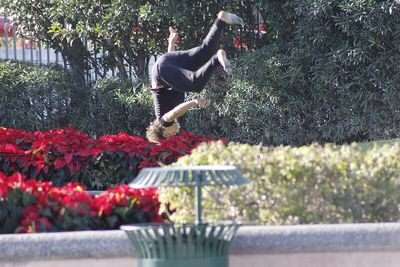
[(30, 213), (32, 223), (59, 163), (66, 151), (14, 180)]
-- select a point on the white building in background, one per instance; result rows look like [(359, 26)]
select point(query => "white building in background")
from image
[(13, 47)]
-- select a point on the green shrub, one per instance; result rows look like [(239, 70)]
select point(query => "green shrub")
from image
[(34, 97), (265, 101), (118, 105), (207, 121), (329, 74), (39, 98), (309, 184)]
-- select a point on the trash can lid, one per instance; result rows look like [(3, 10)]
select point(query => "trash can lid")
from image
[(188, 176)]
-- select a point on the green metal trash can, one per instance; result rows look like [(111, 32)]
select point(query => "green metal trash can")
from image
[(187, 245)]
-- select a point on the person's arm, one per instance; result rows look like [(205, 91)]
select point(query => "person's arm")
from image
[(173, 39), (183, 108)]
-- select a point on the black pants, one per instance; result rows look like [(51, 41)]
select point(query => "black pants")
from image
[(189, 70)]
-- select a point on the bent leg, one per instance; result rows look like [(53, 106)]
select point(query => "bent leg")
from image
[(203, 75), (183, 80), (200, 55)]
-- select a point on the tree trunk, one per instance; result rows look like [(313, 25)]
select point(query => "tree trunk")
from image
[(76, 55), (140, 60), (120, 63)]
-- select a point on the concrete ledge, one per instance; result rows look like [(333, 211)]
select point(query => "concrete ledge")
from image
[(317, 238), (250, 240), (85, 244)]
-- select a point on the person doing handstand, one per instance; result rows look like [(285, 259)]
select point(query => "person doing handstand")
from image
[(177, 72)]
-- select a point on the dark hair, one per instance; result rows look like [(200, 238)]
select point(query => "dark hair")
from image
[(154, 131)]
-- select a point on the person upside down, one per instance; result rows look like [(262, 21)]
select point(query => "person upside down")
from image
[(178, 72)]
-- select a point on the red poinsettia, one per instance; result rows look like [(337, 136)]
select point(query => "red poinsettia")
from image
[(21, 139), (65, 155), (64, 148), (49, 208), (121, 142)]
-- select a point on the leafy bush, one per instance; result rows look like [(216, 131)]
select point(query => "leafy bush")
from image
[(67, 155), (39, 98), (118, 105), (28, 206), (34, 97), (208, 121), (309, 184), (330, 74)]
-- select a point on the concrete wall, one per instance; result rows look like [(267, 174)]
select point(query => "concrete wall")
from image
[(361, 245)]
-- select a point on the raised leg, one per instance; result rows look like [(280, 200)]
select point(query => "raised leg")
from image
[(194, 58)]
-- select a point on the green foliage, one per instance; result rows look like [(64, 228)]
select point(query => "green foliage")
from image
[(34, 97), (39, 98), (208, 121), (269, 101), (368, 145), (328, 72), (193, 19), (11, 211), (128, 31), (64, 24), (119, 105), (309, 184), (123, 32), (332, 75)]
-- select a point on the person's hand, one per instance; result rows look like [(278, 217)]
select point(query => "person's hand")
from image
[(173, 36), (202, 102)]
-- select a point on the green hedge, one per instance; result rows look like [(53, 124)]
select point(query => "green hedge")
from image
[(39, 98), (118, 105), (34, 97), (309, 184), (329, 74)]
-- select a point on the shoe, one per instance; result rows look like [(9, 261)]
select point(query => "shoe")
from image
[(225, 63), (230, 18)]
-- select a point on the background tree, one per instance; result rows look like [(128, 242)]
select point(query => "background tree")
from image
[(121, 29), (54, 22), (126, 32)]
